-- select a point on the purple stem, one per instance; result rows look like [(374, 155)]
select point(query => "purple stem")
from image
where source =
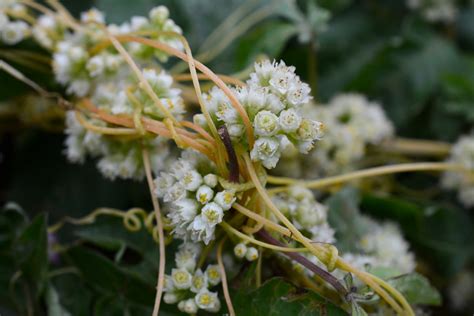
[(326, 276), (233, 162)]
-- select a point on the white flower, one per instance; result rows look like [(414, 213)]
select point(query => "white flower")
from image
[(182, 279), (96, 65), (175, 193), (168, 285), (163, 183), (170, 298), (189, 306), (186, 258), (251, 254), (266, 123), (309, 130), (207, 300), (3, 20), (225, 199), (213, 274), (159, 14), (200, 119), (266, 150), (204, 194), (14, 32), (462, 153), (199, 281), (210, 180), (191, 180), (200, 230), (93, 16), (240, 250), (183, 212), (282, 79), (212, 214), (299, 94), (289, 120), (387, 244)]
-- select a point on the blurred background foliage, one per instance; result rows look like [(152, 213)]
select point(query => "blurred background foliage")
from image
[(422, 73)]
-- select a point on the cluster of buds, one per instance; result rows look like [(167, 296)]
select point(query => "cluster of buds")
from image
[(352, 122), (108, 81), (307, 214), (435, 10), (188, 286), (191, 192), (243, 250), (13, 29), (462, 154), (272, 99)]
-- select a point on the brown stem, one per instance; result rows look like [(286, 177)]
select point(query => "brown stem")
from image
[(233, 162), (326, 276)]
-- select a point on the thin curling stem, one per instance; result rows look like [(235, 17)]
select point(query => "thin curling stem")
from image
[(230, 229), (161, 237), (326, 276), (225, 287), (201, 67), (320, 252), (366, 173)]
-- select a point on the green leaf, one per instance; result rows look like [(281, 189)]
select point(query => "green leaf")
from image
[(73, 293), (417, 289), (53, 303), (278, 297), (32, 251), (110, 279)]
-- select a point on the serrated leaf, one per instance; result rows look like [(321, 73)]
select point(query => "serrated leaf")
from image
[(417, 289)]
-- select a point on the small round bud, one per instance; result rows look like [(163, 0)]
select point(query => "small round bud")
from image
[(170, 298), (210, 180), (181, 278), (240, 250), (190, 306), (251, 254), (200, 119), (213, 274), (159, 14)]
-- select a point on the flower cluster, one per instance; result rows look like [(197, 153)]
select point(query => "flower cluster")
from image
[(435, 10), (462, 154), (308, 215), (352, 122), (272, 99), (12, 28), (191, 192), (188, 286), (110, 84), (386, 244), (116, 158)]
